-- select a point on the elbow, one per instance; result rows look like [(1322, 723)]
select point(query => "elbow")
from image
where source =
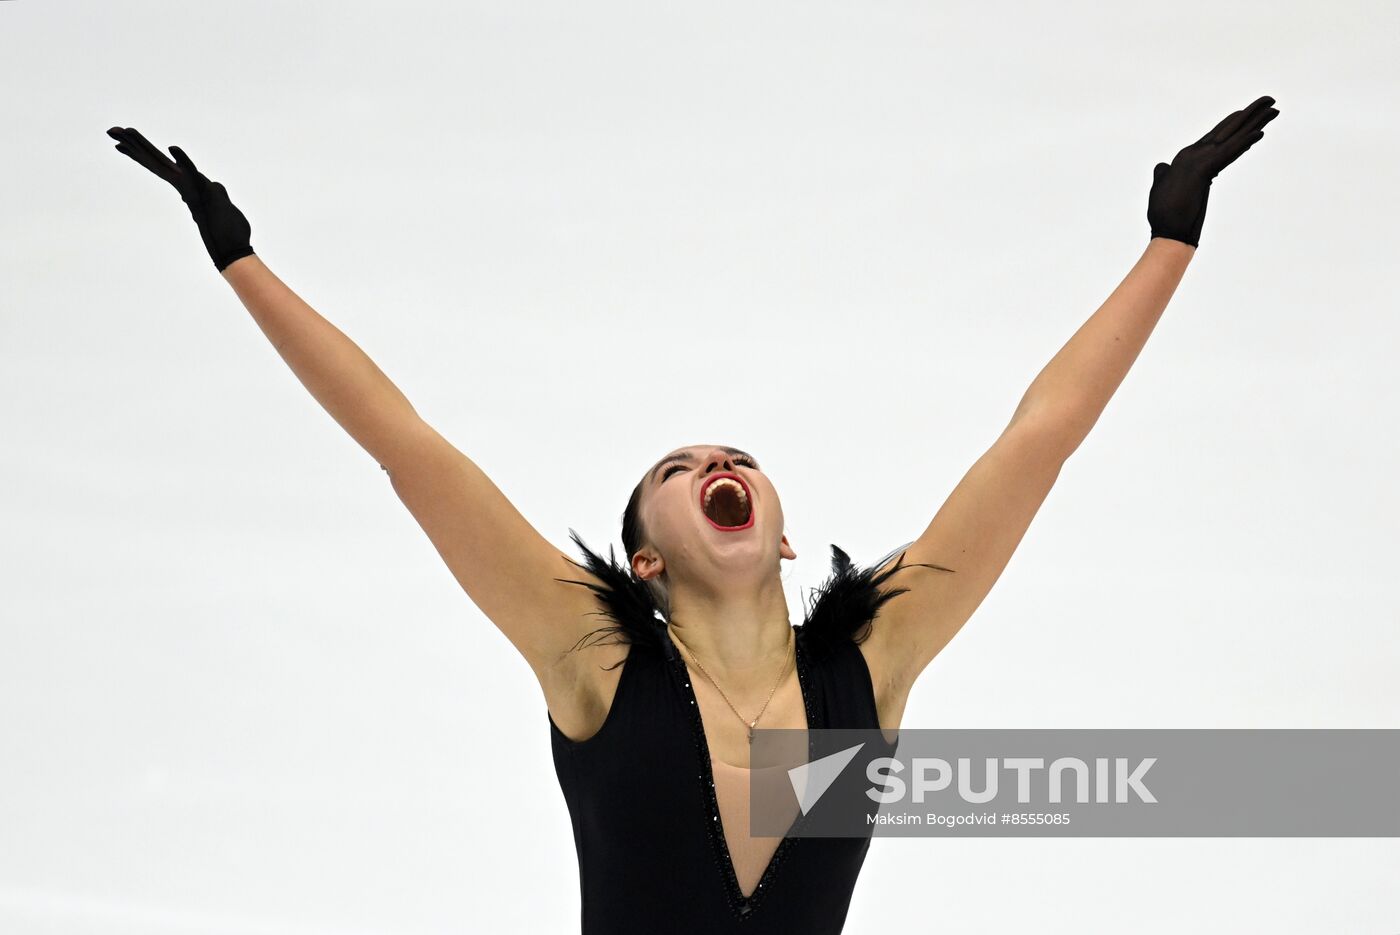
[(1052, 434)]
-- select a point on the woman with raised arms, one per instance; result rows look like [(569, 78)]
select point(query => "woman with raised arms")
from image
[(651, 714)]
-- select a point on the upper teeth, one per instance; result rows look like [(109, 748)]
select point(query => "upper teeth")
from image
[(738, 488)]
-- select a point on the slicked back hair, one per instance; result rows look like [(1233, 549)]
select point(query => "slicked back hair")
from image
[(633, 538)]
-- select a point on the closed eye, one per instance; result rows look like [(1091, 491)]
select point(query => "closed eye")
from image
[(738, 459)]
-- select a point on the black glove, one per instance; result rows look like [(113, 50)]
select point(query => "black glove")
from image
[(1176, 207), (222, 226)]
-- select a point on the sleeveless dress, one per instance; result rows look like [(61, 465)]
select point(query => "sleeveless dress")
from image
[(652, 854)]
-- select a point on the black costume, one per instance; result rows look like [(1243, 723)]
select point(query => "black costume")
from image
[(651, 848)]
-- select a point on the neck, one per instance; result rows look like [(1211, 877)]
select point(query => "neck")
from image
[(736, 637)]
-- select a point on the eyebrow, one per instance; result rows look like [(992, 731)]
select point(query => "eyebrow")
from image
[(687, 456)]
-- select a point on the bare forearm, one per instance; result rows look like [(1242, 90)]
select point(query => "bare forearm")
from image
[(1071, 392), (342, 378)]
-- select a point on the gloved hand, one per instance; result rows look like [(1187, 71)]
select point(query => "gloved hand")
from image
[(223, 227), (1176, 207)]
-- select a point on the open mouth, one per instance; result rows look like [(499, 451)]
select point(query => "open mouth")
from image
[(726, 503)]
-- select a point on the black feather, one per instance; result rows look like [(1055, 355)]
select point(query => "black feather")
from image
[(625, 599), (847, 601)]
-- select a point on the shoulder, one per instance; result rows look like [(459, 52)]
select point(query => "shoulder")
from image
[(845, 621), (848, 601), (581, 686)]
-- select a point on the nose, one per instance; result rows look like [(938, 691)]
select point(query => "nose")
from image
[(718, 460)]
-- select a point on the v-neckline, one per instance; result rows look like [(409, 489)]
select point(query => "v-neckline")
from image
[(742, 905)]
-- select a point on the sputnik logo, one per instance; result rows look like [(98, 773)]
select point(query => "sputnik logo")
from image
[(811, 780)]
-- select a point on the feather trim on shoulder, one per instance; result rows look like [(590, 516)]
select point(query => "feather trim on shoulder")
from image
[(850, 598), (625, 599)]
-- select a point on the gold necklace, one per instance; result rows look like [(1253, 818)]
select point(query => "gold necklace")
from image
[(750, 724)]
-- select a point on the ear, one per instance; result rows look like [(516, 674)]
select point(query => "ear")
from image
[(646, 564), (785, 548)]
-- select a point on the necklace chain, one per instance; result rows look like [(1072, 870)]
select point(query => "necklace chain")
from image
[(750, 724)]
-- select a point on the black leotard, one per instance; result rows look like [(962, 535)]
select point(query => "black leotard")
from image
[(651, 849)]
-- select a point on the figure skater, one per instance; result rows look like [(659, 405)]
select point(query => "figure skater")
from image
[(651, 711)]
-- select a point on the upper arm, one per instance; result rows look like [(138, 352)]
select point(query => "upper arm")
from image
[(504, 565), (974, 535)]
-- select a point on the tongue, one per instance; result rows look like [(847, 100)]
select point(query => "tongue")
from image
[(725, 507)]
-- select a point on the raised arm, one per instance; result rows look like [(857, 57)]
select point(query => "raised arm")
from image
[(333, 368), (504, 565), (982, 522)]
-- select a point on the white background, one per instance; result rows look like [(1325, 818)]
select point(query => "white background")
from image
[(240, 693)]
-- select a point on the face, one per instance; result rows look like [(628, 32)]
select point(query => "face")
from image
[(709, 511)]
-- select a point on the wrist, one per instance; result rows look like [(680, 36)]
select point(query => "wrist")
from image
[(223, 262), (1171, 247), (240, 266)]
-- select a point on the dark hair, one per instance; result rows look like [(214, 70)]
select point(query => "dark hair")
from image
[(633, 537), (632, 534)]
